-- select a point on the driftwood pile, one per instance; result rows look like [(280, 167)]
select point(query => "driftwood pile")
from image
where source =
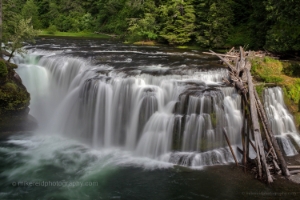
[(269, 158)]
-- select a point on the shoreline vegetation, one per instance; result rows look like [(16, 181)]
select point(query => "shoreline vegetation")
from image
[(82, 35)]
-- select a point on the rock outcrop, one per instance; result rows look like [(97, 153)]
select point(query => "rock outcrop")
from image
[(14, 101)]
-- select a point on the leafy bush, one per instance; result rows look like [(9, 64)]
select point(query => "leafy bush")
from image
[(52, 29), (293, 90), (292, 69), (3, 69)]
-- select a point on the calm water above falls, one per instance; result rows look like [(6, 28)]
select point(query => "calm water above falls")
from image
[(124, 117)]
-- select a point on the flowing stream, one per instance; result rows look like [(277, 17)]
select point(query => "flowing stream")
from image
[(106, 109)]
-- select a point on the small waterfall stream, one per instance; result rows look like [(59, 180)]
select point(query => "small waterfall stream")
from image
[(281, 121)]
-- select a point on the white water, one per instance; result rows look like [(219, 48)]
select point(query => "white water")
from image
[(281, 120), (171, 118)]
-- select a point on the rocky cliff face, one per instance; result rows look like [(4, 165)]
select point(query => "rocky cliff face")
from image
[(14, 101)]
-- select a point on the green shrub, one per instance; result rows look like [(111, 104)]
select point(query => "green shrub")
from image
[(268, 69), (292, 69), (293, 91), (3, 69), (52, 29), (272, 79)]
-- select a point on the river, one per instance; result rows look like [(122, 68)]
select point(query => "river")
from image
[(129, 122)]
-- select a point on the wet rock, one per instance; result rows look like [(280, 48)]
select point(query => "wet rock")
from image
[(14, 102), (16, 123)]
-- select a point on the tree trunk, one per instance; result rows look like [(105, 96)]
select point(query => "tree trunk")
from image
[(230, 147), (256, 130)]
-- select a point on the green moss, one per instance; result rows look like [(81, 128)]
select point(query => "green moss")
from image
[(260, 89), (213, 119), (13, 98), (272, 79), (293, 90), (12, 87), (297, 120), (267, 69)]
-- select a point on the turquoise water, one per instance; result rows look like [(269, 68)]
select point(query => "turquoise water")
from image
[(38, 166)]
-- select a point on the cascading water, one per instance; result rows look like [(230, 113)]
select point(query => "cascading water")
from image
[(108, 111), (152, 111), (169, 114), (281, 121)]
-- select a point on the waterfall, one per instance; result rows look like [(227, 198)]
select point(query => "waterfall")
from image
[(174, 117), (281, 121)]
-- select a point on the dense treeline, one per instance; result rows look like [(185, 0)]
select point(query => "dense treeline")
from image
[(269, 24)]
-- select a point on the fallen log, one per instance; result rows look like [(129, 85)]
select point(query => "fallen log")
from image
[(295, 172), (253, 146), (268, 156), (293, 166), (225, 61), (228, 142), (225, 55), (256, 130)]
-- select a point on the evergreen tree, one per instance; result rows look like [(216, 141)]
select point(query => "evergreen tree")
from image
[(214, 21), (114, 15), (43, 9), (30, 11), (284, 32), (178, 21), (257, 24), (146, 27)]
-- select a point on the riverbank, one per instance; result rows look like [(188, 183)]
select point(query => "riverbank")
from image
[(81, 35)]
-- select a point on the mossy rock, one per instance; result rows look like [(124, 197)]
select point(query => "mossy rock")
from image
[(14, 101), (13, 98)]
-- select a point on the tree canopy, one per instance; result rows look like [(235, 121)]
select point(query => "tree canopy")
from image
[(18, 17), (270, 24)]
